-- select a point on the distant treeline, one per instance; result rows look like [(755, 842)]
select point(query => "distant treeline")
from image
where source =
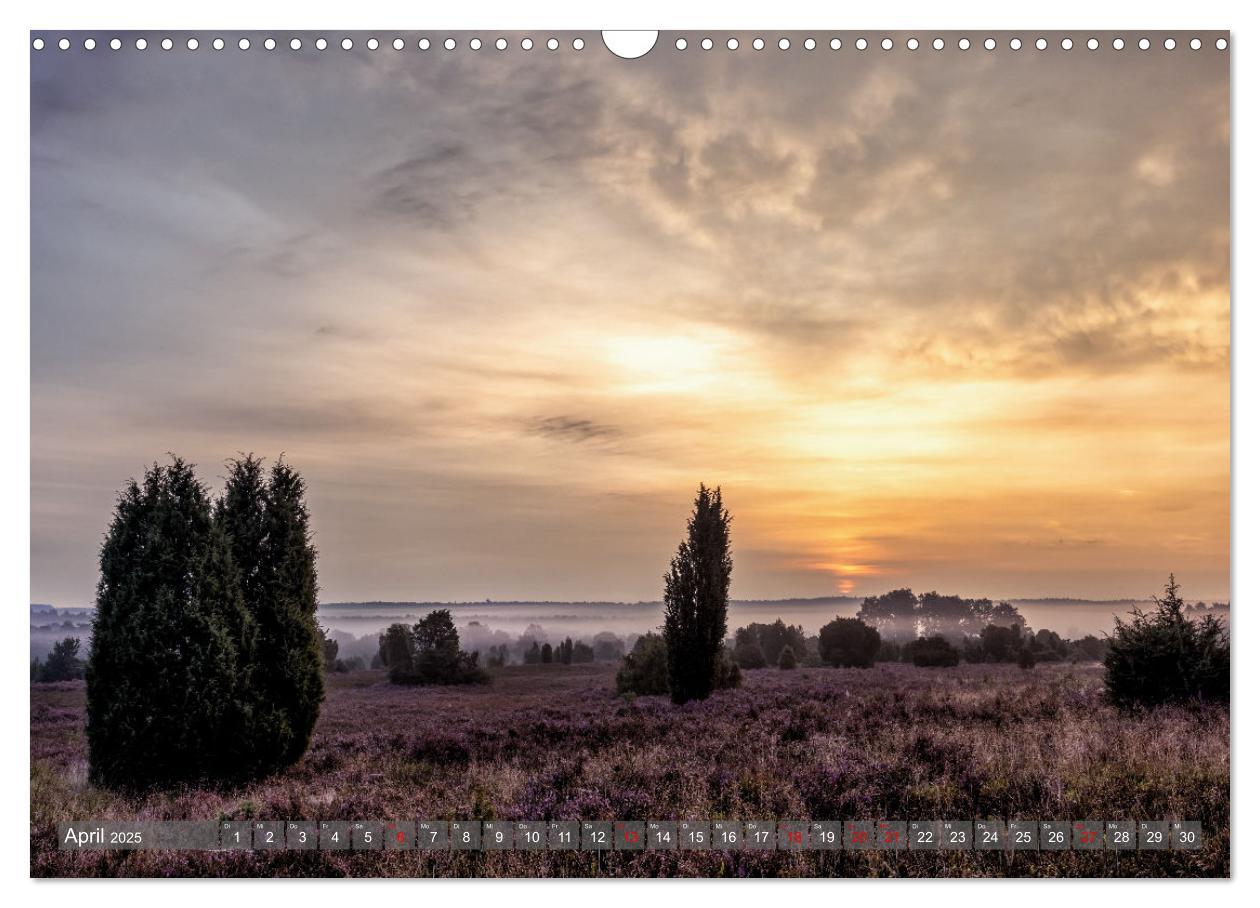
[(855, 642)]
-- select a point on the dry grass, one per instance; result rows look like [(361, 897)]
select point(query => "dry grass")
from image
[(554, 742)]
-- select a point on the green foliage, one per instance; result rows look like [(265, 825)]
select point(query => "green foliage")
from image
[(168, 695), (934, 651), (264, 516), (429, 653), (63, 663), (582, 653), (848, 642), (564, 652), (1165, 657), (697, 589), (206, 664), (1025, 658), (548, 654), (645, 669), (787, 658)]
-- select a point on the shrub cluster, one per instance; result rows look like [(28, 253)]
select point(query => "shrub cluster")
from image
[(429, 653), (759, 645), (206, 662)]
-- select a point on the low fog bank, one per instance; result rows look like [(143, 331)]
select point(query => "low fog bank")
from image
[(609, 627)]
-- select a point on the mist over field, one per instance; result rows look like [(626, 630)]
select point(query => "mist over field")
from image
[(357, 625)]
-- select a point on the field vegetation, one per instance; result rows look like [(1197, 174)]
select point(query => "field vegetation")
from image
[(558, 742)]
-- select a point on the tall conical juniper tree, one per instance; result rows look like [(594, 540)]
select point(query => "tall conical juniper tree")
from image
[(265, 518), (165, 684), (697, 589)]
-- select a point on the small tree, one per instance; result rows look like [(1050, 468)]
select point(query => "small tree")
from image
[(848, 642), (63, 663), (547, 654), (1025, 658), (583, 653), (787, 658), (697, 589), (1165, 657)]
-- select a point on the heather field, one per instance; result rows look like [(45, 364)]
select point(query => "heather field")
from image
[(556, 742)]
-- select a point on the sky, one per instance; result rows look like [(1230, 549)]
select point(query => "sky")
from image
[(947, 320)]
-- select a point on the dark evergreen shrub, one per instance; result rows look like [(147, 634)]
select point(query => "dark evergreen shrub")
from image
[(265, 519), (168, 698), (697, 589), (1164, 657), (787, 658), (848, 642)]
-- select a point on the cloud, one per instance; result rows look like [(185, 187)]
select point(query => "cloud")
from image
[(898, 309), (572, 429)]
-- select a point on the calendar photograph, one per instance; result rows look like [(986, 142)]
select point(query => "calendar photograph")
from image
[(489, 454)]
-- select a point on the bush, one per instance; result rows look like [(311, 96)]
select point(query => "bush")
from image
[(168, 695), (787, 658), (582, 653), (932, 652), (1165, 657), (1026, 659), (889, 651), (848, 642), (645, 669)]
